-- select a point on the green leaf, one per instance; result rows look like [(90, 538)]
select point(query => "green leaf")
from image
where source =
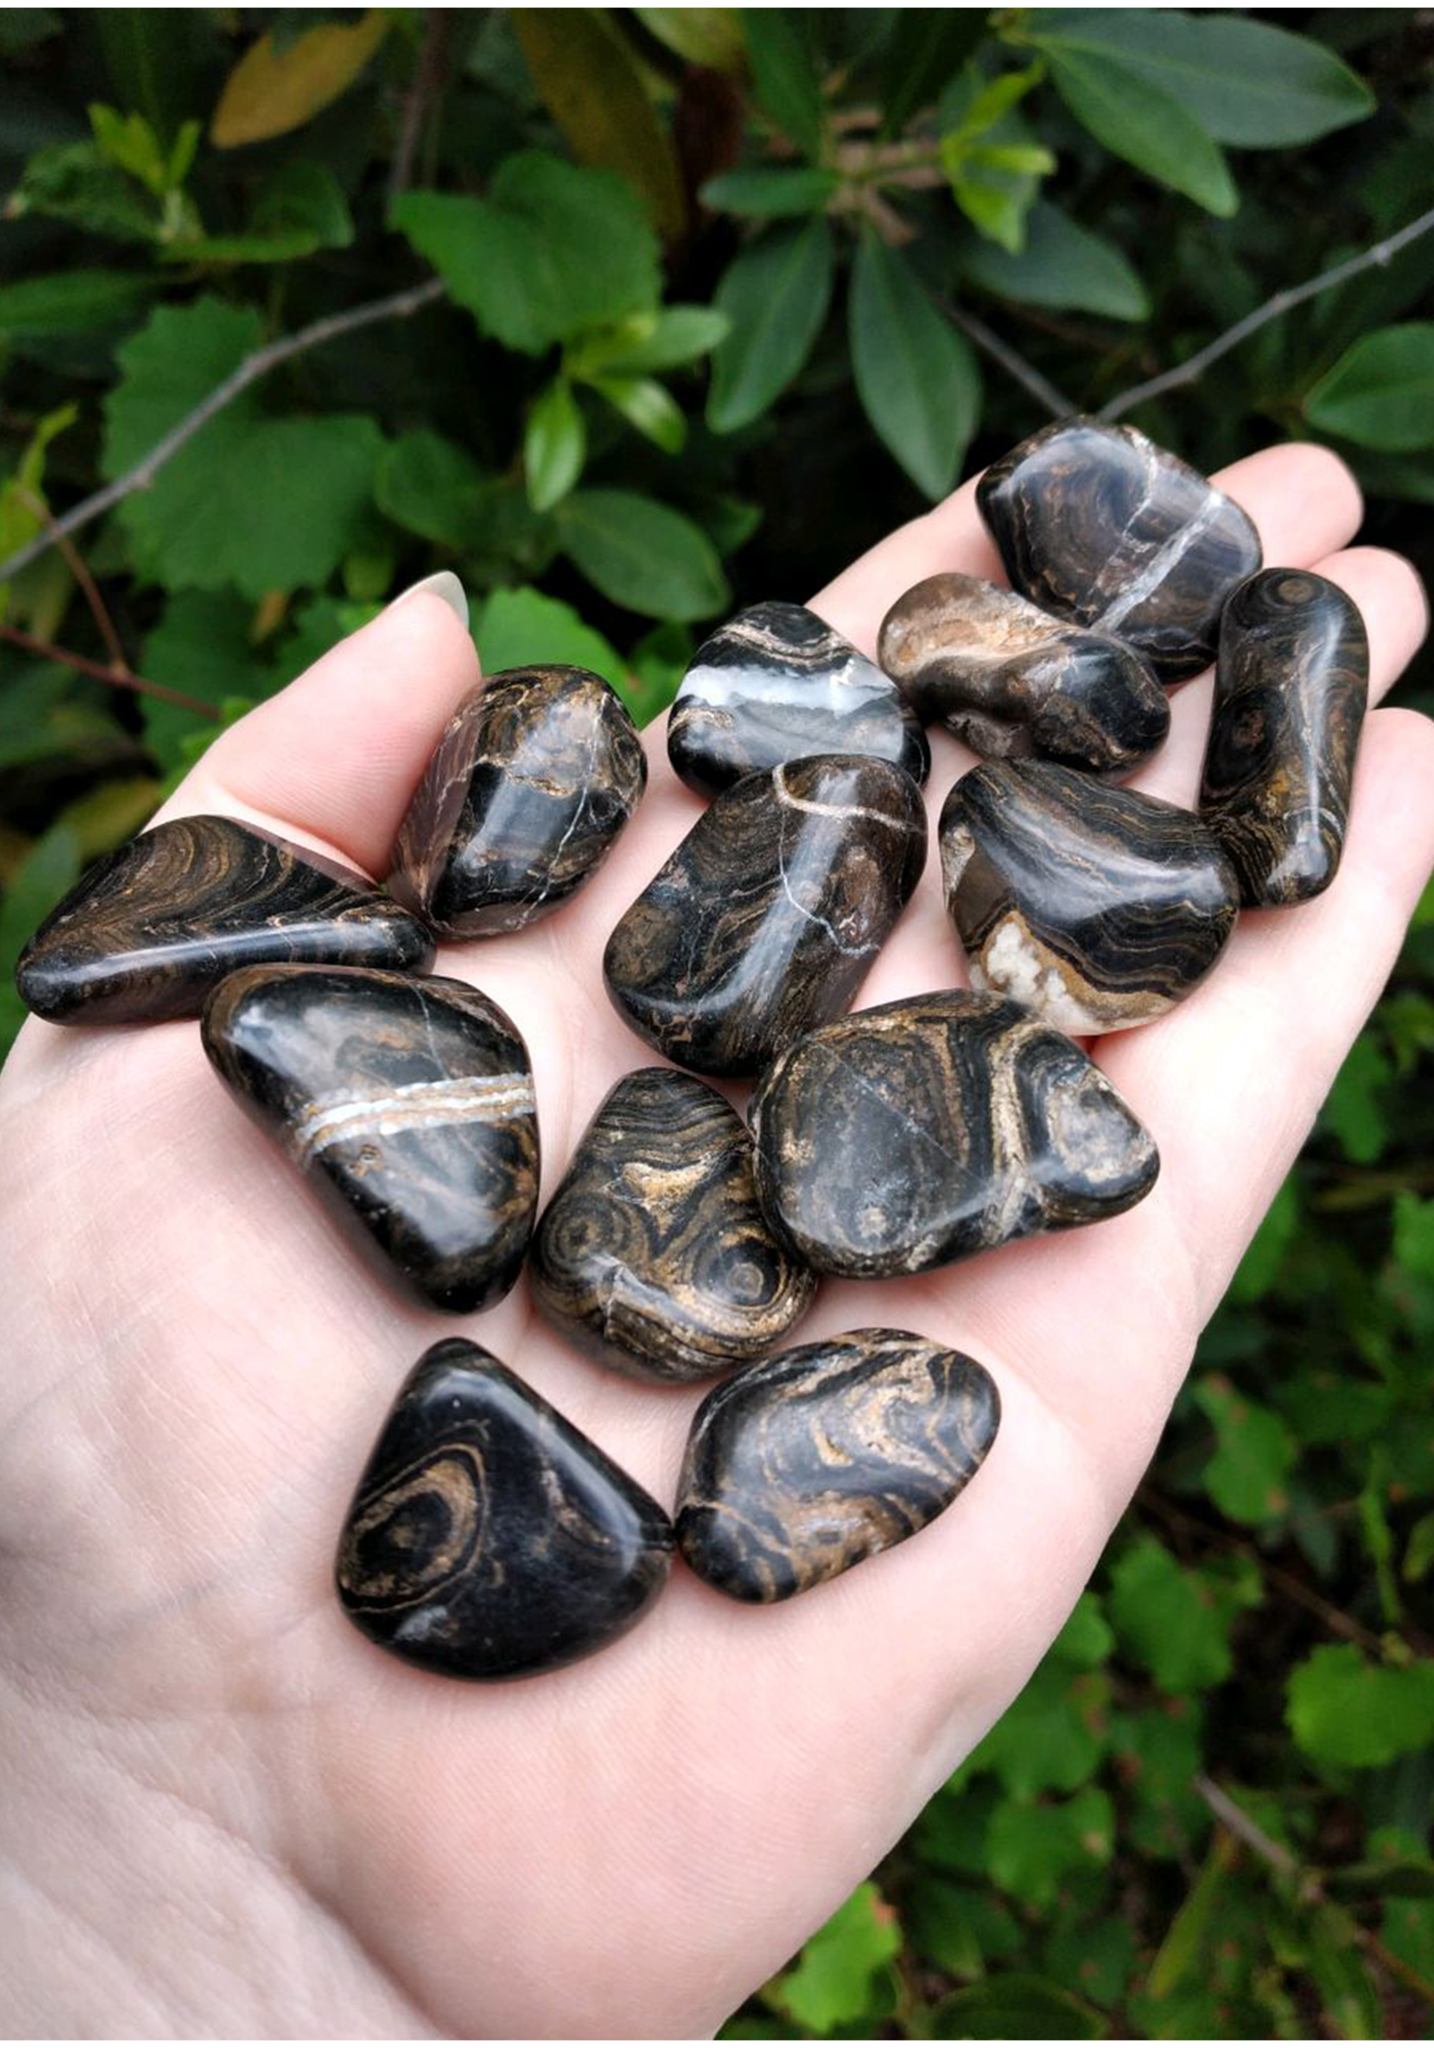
[(643, 555), (1356, 1109), (514, 623), (1098, 1961), (1247, 1478), (979, 125), (1407, 1931), (784, 73), (554, 445), (75, 182), (775, 294), (658, 662), (1087, 1639), (1063, 266), (951, 1833), (1260, 1267), (1143, 124), (837, 1973), (1018, 2005), (709, 36), (1052, 1737), (1380, 393), (1175, 1622), (650, 341), (771, 194), (648, 406), (202, 646), (48, 871), (167, 369), (1351, 2001), (1343, 1709), (299, 209), (1157, 1752), (1419, 1551), (915, 374), (432, 487), (926, 47), (1031, 1849), (73, 302)]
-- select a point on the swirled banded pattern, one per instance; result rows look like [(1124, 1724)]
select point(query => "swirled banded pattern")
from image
[(767, 917), (1290, 691), (904, 1137), (804, 1465), (1096, 907), (151, 928), (488, 1537), (654, 1256), (536, 774), (409, 1105)]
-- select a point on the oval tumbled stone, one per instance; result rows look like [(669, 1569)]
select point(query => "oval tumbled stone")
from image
[(536, 774), (767, 917), (1097, 524), (803, 1466), (654, 1256), (489, 1538), (1097, 907), (904, 1137), (777, 683), (1008, 680), (1291, 686)]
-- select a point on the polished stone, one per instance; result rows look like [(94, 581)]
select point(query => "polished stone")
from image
[(536, 774), (1009, 680), (904, 1137), (654, 1256), (775, 684), (1097, 907), (769, 914), (801, 1467), (1097, 524), (409, 1104), (1291, 686), (489, 1538), (152, 927)]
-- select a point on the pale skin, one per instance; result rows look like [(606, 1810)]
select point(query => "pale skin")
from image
[(226, 1813)]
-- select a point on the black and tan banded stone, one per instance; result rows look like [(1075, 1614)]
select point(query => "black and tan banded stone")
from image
[(653, 1256), (1291, 686), (1097, 524), (536, 774), (152, 927), (409, 1105), (489, 1538), (803, 1466), (1008, 680), (767, 917), (1096, 907), (904, 1137), (777, 683)]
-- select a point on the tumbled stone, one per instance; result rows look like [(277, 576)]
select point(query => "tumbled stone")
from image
[(152, 927), (409, 1104), (803, 1466), (777, 683), (1097, 524), (536, 774), (1291, 686), (654, 1256), (489, 1538), (920, 1132), (1096, 907), (1009, 680), (767, 917)]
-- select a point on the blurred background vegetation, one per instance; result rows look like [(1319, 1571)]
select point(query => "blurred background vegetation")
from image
[(699, 303)]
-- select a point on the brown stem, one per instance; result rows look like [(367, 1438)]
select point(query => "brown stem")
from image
[(1016, 367), (67, 658), (427, 83), (99, 610)]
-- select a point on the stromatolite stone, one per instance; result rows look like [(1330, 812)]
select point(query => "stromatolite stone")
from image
[(1097, 524), (1290, 691), (489, 1538), (654, 1256), (767, 917), (925, 1130), (804, 1465), (1009, 680), (152, 927), (408, 1103), (1096, 907), (778, 683), (535, 776)]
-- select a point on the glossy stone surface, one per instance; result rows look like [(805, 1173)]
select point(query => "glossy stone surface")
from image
[(409, 1104), (152, 927), (654, 1256), (536, 774), (488, 1537), (767, 917), (904, 1137), (1009, 680), (1291, 686), (1096, 907), (804, 1465), (1097, 524), (777, 683)]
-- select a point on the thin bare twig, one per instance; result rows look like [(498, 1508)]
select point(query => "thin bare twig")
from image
[(67, 658), (427, 82), (99, 610), (1025, 374), (396, 307)]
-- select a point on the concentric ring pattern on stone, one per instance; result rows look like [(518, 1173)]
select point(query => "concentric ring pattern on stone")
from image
[(904, 1137), (409, 1104), (1096, 907), (654, 1256), (152, 927)]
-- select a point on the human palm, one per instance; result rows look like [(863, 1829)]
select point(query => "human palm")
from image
[(228, 1813)]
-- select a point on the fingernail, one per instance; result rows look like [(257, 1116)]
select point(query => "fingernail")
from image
[(442, 584)]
